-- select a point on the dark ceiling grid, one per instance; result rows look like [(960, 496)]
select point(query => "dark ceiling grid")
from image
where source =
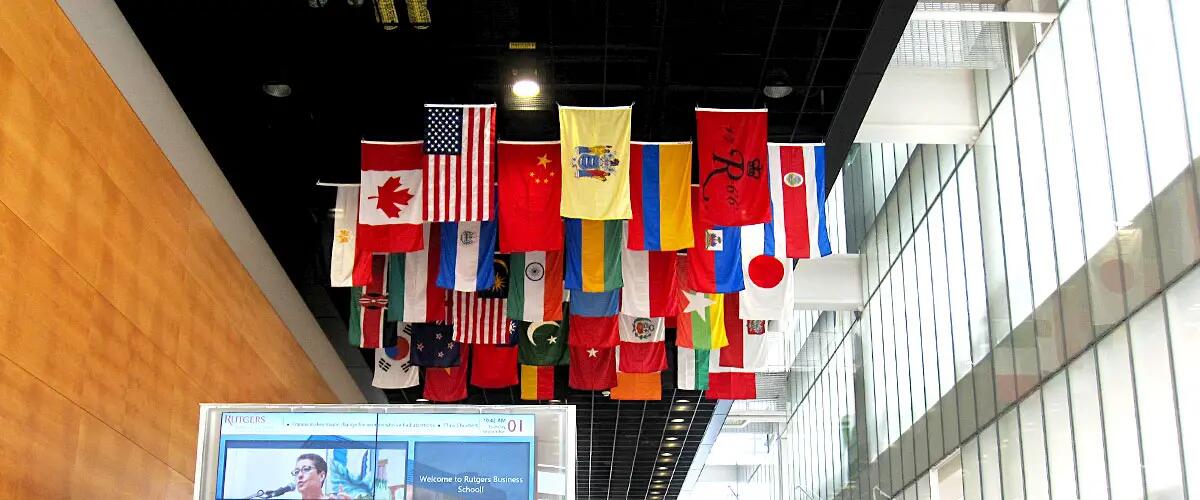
[(351, 80)]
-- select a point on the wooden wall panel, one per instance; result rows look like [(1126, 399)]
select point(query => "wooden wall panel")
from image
[(121, 306)]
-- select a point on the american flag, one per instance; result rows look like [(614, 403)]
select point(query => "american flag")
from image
[(460, 144), (481, 321)]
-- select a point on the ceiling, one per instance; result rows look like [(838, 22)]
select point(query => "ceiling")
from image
[(351, 79)]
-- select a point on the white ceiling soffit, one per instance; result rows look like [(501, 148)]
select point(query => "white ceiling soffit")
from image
[(922, 106)]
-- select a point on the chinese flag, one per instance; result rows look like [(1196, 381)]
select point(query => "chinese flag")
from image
[(732, 145), (593, 368), (530, 193), (495, 366), (447, 385)]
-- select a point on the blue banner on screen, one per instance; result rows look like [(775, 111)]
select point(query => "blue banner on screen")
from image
[(393, 456)]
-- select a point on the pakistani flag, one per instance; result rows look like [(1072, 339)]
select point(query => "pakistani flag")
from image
[(535, 292), (543, 343)]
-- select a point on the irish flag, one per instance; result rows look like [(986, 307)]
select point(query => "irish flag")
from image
[(535, 292)]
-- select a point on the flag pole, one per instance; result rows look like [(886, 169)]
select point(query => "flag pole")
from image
[(336, 184)]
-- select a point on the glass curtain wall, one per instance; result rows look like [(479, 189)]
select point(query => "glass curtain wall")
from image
[(1032, 299)]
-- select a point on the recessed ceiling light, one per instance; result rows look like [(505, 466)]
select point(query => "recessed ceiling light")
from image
[(606, 393), (422, 400), (277, 89), (683, 408), (677, 420), (682, 401), (552, 401), (664, 454), (526, 88), (659, 481), (662, 468), (672, 438)]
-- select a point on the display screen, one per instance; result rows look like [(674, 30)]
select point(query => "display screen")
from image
[(382, 456)]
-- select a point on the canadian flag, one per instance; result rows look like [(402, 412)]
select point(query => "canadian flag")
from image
[(389, 203)]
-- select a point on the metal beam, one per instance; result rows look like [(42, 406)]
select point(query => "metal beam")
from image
[(986, 16)]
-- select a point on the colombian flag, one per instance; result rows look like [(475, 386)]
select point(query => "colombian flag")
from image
[(593, 255), (537, 383), (659, 178)]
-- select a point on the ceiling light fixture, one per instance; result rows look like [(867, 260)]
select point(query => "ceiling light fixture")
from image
[(526, 88), (418, 14), (677, 420), (672, 438), (664, 454), (662, 468), (682, 401), (277, 89), (777, 84), (422, 400)]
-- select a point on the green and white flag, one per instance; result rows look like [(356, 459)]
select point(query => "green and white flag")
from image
[(536, 291), (693, 369)]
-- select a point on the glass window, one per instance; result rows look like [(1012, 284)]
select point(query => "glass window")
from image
[(1187, 42), (939, 287), (976, 295), (1033, 448), (993, 237), (1156, 401), (1120, 416), (1089, 432), (933, 183), (1034, 185), (947, 160), (1011, 215), (900, 331), (989, 464), (956, 277), (916, 181), (985, 388), (1161, 94), (1183, 313), (929, 352), (972, 486), (904, 204), (878, 172), (1060, 452), (1011, 474)]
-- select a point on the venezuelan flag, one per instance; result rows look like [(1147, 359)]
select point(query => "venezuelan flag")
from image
[(660, 175), (593, 260)]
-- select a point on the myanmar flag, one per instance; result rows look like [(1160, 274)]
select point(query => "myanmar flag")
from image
[(595, 162), (702, 324), (660, 176), (593, 260), (537, 383), (535, 292)]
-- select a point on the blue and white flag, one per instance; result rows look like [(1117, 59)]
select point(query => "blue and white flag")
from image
[(467, 250)]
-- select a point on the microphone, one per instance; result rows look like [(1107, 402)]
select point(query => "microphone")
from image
[(275, 492)]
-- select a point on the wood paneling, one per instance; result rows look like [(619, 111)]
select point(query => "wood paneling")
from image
[(121, 306)]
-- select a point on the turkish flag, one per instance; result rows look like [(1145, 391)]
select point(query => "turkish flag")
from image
[(530, 193), (446, 385), (593, 368), (732, 147), (495, 366)]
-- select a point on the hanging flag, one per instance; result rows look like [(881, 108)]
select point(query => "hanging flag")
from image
[(434, 345), (446, 385), (729, 383), (393, 366), (595, 305), (715, 263), (660, 180), (692, 369), (543, 343), (747, 339), (345, 218), (389, 212), (537, 292), (595, 162), (637, 387), (412, 283), (732, 149), (797, 174), (371, 306), (768, 275), (594, 332), (702, 323), (593, 255), (642, 357), (592, 368), (354, 328), (480, 321), (537, 383), (466, 261), (635, 329), (530, 194), (651, 284), (494, 366), (499, 288), (459, 145)]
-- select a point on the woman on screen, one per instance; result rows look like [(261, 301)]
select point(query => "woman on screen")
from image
[(310, 473)]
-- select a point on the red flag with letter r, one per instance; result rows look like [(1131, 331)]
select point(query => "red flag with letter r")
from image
[(732, 145)]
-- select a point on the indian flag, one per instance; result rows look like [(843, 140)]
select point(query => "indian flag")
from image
[(537, 293)]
